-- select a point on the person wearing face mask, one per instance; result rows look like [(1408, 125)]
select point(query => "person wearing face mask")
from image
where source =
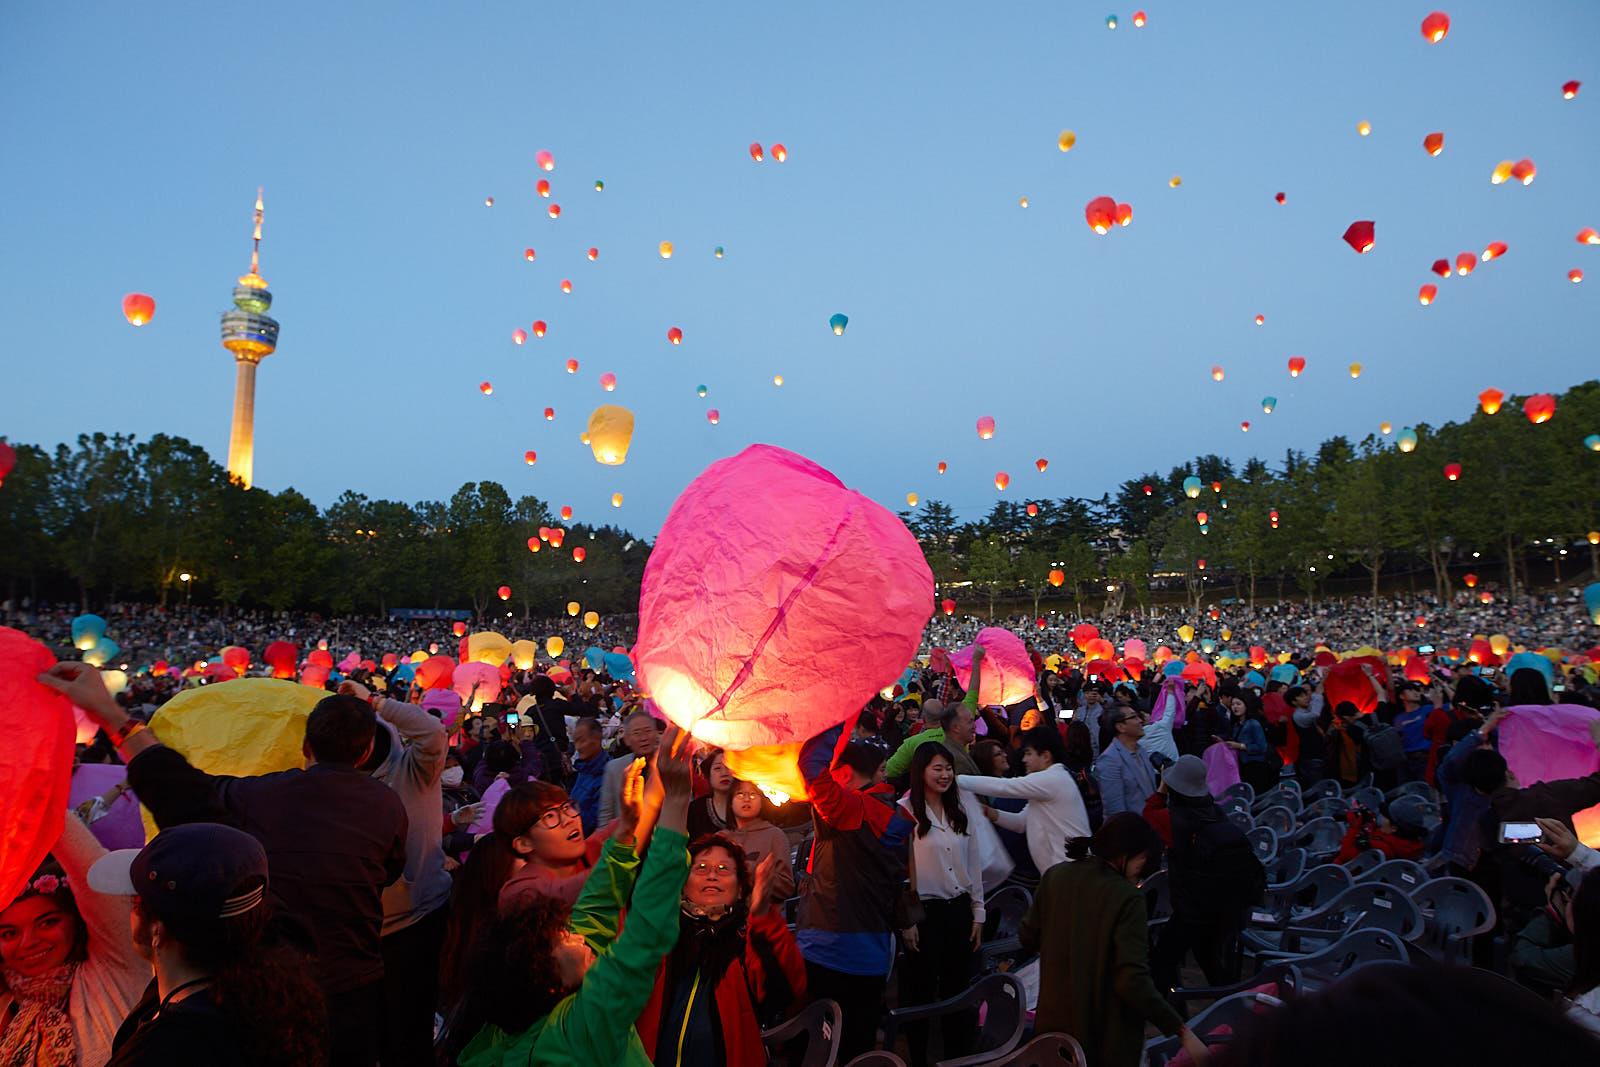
[(226, 992), (1088, 922), (461, 806), (734, 957)]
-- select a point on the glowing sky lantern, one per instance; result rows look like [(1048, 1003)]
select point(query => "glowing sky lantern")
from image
[(1360, 235), (1363, 127), (911, 499), (780, 153), (1216, 373), (523, 654), (505, 592), (1592, 442), (1124, 214), (1355, 370), (717, 252), (573, 608), (1280, 197), (1569, 89), (1296, 365), (542, 187), (1435, 26), (1057, 578), (545, 160), (1524, 171), (1452, 471), (549, 414), (713, 416), (1261, 320), (599, 186), (1023, 201), (616, 500), (1539, 408), (837, 323), (1033, 510), (675, 335), (8, 459), (572, 366), (578, 554), (1175, 181), (949, 606), (533, 544), (986, 427), (1111, 22), (539, 327), (1489, 400), (1433, 144), (1268, 403), (1406, 439), (529, 457), (1101, 214), (1470, 579), (488, 201), (566, 512), (1465, 262), (755, 153), (1066, 140), (1201, 518), (777, 379), (1502, 171), (554, 646), (554, 211), (1138, 20), (1588, 236), (1426, 294), (594, 254), (1001, 480), (566, 285), (485, 388), (943, 466), (1192, 487), (1441, 267), (1591, 600), (1385, 428), (1041, 464), (458, 628), (700, 392), (1186, 633), (1495, 250), (1574, 275), (665, 248), (137, 308), (610, 431), (518, 336), (608, 381), (591, 619)]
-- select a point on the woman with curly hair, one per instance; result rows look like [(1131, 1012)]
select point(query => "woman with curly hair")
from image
[(558, 985), (735, 963), (68, 970)]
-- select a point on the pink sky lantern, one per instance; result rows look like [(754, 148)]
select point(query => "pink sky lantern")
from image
[(986, 427), (608, 381), (775, 603), (475, 683), (1133, 648), (713, 416), (35, 762), (519, 336), (1007, 675), (545, 160)]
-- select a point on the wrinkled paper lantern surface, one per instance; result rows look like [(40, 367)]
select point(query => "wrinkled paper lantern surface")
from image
[(1007, 675), (35, 761)]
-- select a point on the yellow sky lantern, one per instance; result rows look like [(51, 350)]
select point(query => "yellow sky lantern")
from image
[(609, 433), (554, 645)]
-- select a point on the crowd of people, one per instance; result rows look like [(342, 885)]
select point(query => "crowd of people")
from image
[(561, 876)]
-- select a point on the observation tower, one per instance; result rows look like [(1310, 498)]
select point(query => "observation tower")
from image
[(251, 335)]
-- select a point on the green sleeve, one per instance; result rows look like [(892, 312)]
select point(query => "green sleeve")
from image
[(971, 700), (1131, 977), (900, 762), (605, 894), (596, 1022)]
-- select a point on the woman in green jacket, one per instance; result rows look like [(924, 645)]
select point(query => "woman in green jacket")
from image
[(1088, 924), (559, 988)]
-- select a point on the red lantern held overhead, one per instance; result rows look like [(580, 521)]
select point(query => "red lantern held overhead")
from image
[(1296, 365), (1433, 144), (1002, 480), (1494, 250), (1101, 214), (1465, 262), (505, 592), (1452, 471), (949, 606), (1041, 464), (1539, 408), (1360, 235), (138, 308), (1489, 400), (1435, 26), (1426, 294)]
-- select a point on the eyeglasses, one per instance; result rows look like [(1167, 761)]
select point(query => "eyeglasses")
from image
[(747, 794), (708, 868), (554, 817)]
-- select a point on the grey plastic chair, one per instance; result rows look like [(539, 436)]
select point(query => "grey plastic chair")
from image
[(1416, 789), (1415, 809), (1325, 788), (1325, 808), (1046, 1050), (1365, 862), (819, 1024), (1279, 818), (1356, 949), (1286, 866), (1286, 975), (1243, 790), (1214, 1026), (1006, 1007), (1157, 890), (1240, 817), (1404, 875), (1307, 893), (1285, 793), (1264, 841), (1454, 911), (1010, 903), (1368, 797), (1319, 837), (1368, 904)]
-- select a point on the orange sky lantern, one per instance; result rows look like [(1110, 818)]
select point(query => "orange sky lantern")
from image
[(1588, 236), (566, 512), (538, 327), (943, 466), (1426, 294), (1524, 171), (1361, 235), (1216, 374), (505, 592), (1033, 510), (543, 187), (1296, 365), (1002, 480), (530, 457), (138, 308), (1124, 214), (1041, 464), (1433, 144), (1494, 250), (755, 152), (1101, 214), (549, 414), (572, 366), (1057, 577), (616, 500), (1489, 400), (1539, 408), (1435, 26), (1465, 262), (665, 249), (485, 388)]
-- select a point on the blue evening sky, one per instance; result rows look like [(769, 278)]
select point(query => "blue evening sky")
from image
[(134, 138)]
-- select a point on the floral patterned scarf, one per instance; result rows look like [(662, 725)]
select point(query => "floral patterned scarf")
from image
[(40, 1033)]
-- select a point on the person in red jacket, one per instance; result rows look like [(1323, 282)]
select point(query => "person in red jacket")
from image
[(733, 967)]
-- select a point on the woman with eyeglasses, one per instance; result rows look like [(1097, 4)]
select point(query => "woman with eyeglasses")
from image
[(735, 965), (754, 832)]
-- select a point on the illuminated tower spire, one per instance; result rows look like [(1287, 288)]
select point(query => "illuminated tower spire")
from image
[(251, 335)]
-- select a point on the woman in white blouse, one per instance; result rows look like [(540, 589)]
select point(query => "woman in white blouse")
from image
[(947, 880)]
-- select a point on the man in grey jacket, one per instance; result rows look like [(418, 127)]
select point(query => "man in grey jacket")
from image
[(1126, 777), (408, 755)]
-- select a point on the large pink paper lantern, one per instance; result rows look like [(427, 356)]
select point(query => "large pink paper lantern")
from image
[(35, 761), (1007, 675), (775, 604)]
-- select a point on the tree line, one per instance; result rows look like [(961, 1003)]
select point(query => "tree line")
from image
[(113, 518)]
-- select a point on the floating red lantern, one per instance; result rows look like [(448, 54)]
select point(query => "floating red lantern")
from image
[(1057, 577), (1588, 236), (533, 544), (1261, 320), (578, 554), (1360, 235), (675, 335), (1041, 464), (485, 388), (1200, 563), (505, 593), (549, 414), (566, 285), (554, 211), (1489, 400), (594, 254), (138, 308), (529, 254), (1002, 480), (1435, 26), (1124, 214), (543, 187), (1495, 250), (1574, 275), (572, 366), (780, 153), (566, 512), (1539, 408), (1426, 294), (1296, 365), (1471, 580), (755, 152), (1040, 623), (1033, 511), (1570, 90), (1245, 426), (1441, 267), (1280, 198), (943, 466), (1465, 262), (530, 457), (1524, 171), (1452, 471), (1148, 490), (1216, 374), (538, 327), (1101, 214), (986, 427), (1216, 487), (1201, 517), (1433, 144), (949, 606)]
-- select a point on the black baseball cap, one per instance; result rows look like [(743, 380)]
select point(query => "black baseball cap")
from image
[(192, 873)]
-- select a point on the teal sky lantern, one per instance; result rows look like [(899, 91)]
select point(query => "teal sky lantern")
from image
[(1268, 403), (1592, 442), (701, 391), (838, 323), (1191, 487), (87, 630), (1406, 439)]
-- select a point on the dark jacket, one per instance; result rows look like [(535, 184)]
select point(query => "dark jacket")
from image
[(190, 1031), (1088, 924), (1520, 885), (334, 838), (591, 774)]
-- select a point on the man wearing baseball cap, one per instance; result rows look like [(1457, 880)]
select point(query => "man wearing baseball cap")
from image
[(221, 994)]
